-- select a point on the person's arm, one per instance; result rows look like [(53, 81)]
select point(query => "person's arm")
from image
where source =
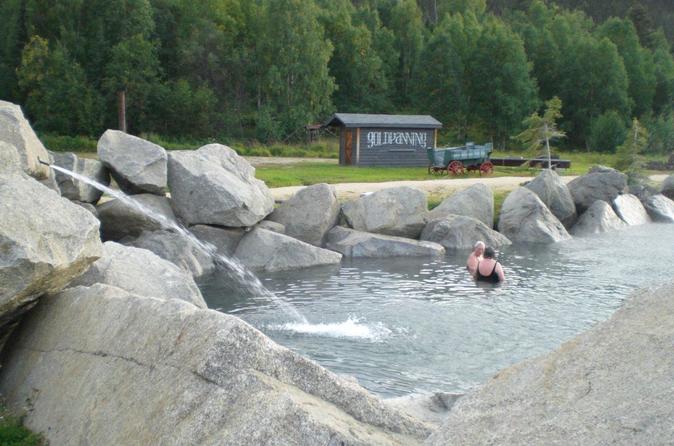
[(499, 271)]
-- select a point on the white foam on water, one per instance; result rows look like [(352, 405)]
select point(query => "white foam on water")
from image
[(352, 328)]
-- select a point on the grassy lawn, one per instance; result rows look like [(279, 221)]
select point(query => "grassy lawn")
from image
[(311, 173)]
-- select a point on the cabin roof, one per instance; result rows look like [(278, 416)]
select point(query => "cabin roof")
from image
[(392, 121)]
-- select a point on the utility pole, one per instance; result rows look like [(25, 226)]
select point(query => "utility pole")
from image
[(121, 110)]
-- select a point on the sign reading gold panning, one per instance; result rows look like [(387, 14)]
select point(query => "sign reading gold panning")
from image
[(409, 139)]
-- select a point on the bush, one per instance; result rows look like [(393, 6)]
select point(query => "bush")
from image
[(61, 143), (607, 132), (661, 139)]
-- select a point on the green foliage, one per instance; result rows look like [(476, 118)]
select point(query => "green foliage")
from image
[(57, 90), (630, 159), (607, 132), (502, 91), (661, 134), (12, 433), (638, 63), (264, 69), (295, 86)]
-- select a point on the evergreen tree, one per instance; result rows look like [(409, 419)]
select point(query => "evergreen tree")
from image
[(540, 130), (630, 159)]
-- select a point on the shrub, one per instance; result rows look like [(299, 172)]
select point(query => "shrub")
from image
[(607, 132)]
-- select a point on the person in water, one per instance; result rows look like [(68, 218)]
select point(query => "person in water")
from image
[(475, 257), (489, 269)]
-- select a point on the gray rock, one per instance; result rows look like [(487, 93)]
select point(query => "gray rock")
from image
[(309, 214), (599, 218), (460, 232), (629, 208), (272, 226), (89, 207), (10, 162), (141, 272), (399, 211), (265, 250), (119, 220), (215, 186), (225, 240), (430, 408), (610, 385), (102, 366), (45, 242), (526, 219), (78, 190), (668, 187), (136, 165), (16, 131), (477, 202), (660, 208), (354, 243), (642, 191), (552, 191), (601, 183), (176, 249)]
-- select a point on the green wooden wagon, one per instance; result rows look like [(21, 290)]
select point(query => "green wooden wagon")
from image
[(458, 160)]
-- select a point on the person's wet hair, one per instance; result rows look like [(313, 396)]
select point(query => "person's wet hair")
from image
[(489, 253)]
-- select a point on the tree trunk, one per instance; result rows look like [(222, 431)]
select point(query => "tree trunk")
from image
[(121, 110)]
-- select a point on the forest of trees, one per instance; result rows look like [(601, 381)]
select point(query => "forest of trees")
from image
[(262, 69)]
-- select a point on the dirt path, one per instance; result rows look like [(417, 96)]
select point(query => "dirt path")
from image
[(347, 191)]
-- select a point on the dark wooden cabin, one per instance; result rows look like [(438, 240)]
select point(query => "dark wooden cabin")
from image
[(384, 140)]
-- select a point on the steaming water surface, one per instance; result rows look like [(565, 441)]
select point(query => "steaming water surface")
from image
[(414, 325)]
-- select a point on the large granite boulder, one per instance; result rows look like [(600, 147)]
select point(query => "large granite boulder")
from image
[(354, 243), (45, 242), (215, 186), (176, 248), (610, 385), (101, 366), (225, 240), (526, 219), (309, 214), (477, 202), (629, 208), (430, 408), (265, 250), (141, 272), (399, 211), (137, 165), (668, 187), (599, 218), (119, 219), (460, 232), (660, 208), (601, 183), (16, 131), (10, 161), (77, 190), (552, 191)]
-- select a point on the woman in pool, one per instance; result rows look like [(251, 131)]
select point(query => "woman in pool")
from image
[(489, 269)]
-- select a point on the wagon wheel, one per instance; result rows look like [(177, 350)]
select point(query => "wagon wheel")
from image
[(486, 168), (456, 167)]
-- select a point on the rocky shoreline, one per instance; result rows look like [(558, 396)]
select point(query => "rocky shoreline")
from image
[(106, 338)]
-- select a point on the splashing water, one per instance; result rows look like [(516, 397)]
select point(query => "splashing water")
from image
[(351, 328), (243, 274)]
